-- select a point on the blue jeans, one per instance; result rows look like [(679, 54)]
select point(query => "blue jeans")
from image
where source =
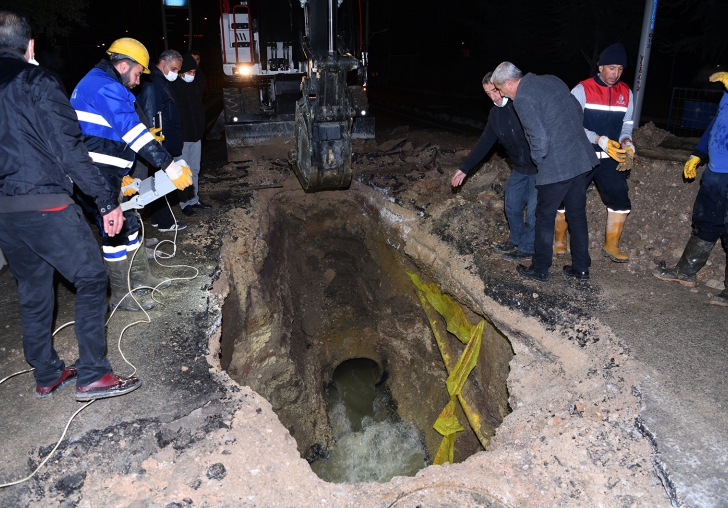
[(521, 193)]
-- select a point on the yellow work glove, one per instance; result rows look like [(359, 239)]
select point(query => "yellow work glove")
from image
[(156, 132), (613, 149), (689, 171), (629, 160), (127, 180), (180, 175), (720, 76)]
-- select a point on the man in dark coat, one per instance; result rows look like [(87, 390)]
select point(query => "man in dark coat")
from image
[(503, 126), (553, 122), (192, 124), (41, 229), (159, 106)]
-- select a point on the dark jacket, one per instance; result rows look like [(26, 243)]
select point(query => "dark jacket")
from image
[(553, 122), (157, 96), (503, 126), (42, 151), (112, 129), (190, 108)]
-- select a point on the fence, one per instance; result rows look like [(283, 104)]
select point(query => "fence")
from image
[(691, 110)]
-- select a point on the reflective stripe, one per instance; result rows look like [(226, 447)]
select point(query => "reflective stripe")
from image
[(142, 141), (618, 211), (110, 160), (85, 116), (114, 253), (602, 155), (133, 133), (133, 243), (601, 107)]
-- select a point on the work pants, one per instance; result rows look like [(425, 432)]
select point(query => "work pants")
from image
[(612, 185), (521, 193), (36, 244), (192, 154), (710, 211), (572, 193)]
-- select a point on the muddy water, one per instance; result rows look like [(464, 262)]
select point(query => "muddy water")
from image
[(372, 444)]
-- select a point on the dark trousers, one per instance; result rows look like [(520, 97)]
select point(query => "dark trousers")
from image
[(131, 220), (612, 185), (36, 244), (572, 193), (710, 211)]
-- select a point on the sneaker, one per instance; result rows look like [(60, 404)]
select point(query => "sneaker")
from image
[(110, 385), (505, 247), (519, 255), (68, 375), (188, 211), (201, 206), (178, 227)]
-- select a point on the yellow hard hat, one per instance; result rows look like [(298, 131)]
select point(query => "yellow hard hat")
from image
[(133, 49)]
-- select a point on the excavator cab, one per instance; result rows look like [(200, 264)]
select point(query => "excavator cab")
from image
[(295, 85)]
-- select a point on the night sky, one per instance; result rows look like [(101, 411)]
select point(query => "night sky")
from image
[(450, 45)]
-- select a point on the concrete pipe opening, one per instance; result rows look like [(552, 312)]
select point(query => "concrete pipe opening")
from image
[(332, 333)]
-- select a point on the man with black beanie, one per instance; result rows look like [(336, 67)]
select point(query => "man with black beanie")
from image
[(608, 109)]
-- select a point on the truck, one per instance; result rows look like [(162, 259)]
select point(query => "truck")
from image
[(295, 85)]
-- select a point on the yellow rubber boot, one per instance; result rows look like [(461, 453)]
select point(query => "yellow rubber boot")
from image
[(560, 234), (615, 224)]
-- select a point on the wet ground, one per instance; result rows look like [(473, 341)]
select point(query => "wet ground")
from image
[(617, 383)]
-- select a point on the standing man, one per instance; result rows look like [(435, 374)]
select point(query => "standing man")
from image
[(552, 120), (158, 104), (114, 134), (503, 126), (41, 229), (199, 76), (710, 211), (192, 116), (608, 109)]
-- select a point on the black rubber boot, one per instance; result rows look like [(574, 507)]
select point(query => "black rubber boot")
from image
[(140, 274), (117, 271), (722, 297), (693, 258)]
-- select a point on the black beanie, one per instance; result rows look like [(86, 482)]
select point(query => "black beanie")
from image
[(188, 64), (613, 55)]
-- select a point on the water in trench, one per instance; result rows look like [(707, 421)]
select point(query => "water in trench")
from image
[(371, 444)]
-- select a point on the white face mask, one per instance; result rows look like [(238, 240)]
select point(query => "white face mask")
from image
[(503, 102), (171, 76), (33, 61), (189, 78)]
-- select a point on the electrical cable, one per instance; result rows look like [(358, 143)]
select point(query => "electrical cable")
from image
[(121, 334)]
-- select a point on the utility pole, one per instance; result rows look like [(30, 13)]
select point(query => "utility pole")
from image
[(643, 58), (176, 4)]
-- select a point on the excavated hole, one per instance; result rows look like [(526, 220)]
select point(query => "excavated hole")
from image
[(330, 289)]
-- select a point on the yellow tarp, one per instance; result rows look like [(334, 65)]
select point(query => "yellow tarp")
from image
[(447, 423)]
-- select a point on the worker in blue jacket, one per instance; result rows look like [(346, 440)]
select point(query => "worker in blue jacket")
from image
[(114, 133), (710, 211), (520, 191)]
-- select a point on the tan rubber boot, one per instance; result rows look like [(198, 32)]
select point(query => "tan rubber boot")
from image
[(560, 234), (615, 224)]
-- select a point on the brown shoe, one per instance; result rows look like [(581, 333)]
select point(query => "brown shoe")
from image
[(110, 385), (67, 376)]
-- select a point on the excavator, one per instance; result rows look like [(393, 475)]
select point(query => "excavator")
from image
[(296, 76)]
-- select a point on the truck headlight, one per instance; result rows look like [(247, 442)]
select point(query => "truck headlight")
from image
[(244, 70)]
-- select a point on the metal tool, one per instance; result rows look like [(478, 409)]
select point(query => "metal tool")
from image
[(148, 190)]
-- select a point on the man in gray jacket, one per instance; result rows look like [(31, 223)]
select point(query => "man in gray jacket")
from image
[(553, 122)]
